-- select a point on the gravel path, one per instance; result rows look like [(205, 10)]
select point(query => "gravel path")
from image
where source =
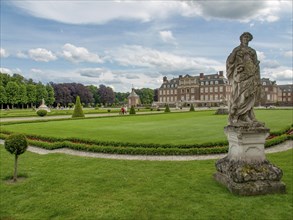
[(278, 148)]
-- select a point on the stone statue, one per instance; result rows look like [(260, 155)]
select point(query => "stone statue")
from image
[(245, 170), (244, 75)]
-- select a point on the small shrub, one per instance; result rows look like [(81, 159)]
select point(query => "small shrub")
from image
[(16, 144), (191, 108), (132, 110), (70, 105), (167, 109), (109, 110), (77, 112), (158, 109), (42, 112)]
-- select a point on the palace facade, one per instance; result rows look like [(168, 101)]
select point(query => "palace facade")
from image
[(214, 90), (202, 90)]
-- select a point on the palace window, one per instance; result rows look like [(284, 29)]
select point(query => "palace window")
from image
[(201, 90), (216, 89), (211, 89), (216, 82), (192, 90), (221, 88), (206, 89)]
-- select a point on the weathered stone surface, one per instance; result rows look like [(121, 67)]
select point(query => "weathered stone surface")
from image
[(245, 170), (43, 106), (243, 73), (251, 188), (246, 143)]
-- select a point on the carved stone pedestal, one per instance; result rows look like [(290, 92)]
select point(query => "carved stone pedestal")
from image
[(245, 170)]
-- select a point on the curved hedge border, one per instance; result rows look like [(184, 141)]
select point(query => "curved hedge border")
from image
[(51, 143)]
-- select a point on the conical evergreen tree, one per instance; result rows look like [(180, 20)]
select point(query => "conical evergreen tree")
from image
[(191, 108), (132, 110), (77, 112), (167, 109)]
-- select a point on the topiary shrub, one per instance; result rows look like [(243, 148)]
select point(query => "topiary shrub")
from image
[(16, 144), (191, 108), (167, 109), (77, 112), (132, 110), (42, 112)]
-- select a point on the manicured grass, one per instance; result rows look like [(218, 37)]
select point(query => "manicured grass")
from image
[(174, 128), (69, 187), (31, 112)]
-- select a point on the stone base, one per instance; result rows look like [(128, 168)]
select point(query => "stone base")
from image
[(249, 179), (245, 170)]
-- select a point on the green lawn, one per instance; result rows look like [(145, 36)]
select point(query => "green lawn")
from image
[(69, 187), (174, 128), (31, 112)]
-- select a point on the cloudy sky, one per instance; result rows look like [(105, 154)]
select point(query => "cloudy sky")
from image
[(124, 43)]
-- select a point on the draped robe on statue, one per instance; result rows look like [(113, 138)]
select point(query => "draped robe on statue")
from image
[(244, 75)]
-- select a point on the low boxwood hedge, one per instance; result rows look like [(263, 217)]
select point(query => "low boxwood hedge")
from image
[(113, 147)]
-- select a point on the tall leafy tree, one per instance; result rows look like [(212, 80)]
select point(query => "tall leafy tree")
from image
[(121, 97), (146, 95), (31, 91), (12, 93), (3, 96), (22, 95), (107, 95), (41, 93), (95, 92), (51, 95), (19, 79), (4, 79)]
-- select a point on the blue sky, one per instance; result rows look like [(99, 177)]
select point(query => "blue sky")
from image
[(125, 43)]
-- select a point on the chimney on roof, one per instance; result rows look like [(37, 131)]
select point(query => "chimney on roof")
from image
[(165, 79), (201, 75), (221, 74), (180, 76)]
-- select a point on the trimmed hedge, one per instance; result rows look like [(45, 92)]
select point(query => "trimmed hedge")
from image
[(132, 110), (78, 112), (51, 143), (42, 112), (167, 109)]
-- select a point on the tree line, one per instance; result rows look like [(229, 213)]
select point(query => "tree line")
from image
[(19, 92)]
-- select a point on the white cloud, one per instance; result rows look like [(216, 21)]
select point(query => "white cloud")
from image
[(33, 70), (79, 54), (260, 55), (3, 53), (21, 54), (100, 12), (282, 75), (167, 37), (288, 54), (138, 56), (10, 71), (41, 54)]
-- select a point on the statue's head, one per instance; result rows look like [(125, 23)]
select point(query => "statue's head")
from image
[(246, 34)]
